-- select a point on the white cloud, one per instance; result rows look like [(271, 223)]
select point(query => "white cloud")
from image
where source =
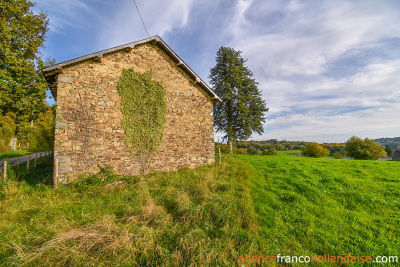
[(364, 104), (64, 14), (159, 17), (310, 35)]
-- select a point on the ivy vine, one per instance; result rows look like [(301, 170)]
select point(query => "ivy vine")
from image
[(143, 108)]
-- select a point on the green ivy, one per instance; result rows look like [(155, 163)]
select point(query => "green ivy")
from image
[(144, 114)]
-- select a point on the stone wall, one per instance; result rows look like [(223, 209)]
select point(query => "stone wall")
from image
[(88, 128)]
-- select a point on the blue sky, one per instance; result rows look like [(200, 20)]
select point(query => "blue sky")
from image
[(327, 69)]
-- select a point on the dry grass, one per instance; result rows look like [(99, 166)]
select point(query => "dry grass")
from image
[(200, 217)]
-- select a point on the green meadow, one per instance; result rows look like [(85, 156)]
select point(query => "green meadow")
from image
[(323, 206), (208, 216)]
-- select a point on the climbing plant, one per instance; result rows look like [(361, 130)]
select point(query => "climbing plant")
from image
[(143, 109)]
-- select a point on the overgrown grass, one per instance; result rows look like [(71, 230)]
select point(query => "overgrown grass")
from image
[(310, 206), (209, 216), (200, 217), (19, 152)]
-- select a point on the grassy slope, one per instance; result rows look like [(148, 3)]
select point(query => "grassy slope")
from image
[(189, 217), (318, 206)]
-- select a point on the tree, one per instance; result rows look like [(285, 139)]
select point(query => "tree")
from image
[(364, 149), (22, 86), (314, 150), (389, 150), (242, 109)]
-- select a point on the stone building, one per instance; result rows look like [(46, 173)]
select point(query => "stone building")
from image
[(88, 122)]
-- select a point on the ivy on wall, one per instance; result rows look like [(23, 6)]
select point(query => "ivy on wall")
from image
[(144, 114)]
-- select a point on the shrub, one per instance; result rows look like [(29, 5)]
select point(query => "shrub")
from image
[(271, 151), (224, 148), (242, 151), (253, 151), (364, 149), (314, 150), (337, 155)]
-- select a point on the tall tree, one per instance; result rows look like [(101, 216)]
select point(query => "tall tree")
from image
[(22, 86), (242, 110)]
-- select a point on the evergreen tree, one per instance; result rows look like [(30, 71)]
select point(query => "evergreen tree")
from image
[(22, 86), (242, 109), (389, 150)]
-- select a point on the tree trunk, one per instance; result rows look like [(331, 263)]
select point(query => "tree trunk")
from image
[(230, 144)]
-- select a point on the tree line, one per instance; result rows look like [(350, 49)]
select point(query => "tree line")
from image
[(24, 112), (355, 147)]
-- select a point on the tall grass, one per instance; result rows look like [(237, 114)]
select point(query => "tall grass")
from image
[(200, 217)]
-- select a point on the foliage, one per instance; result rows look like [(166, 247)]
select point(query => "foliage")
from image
[(272, 151), (143, 109), (314, 150), (7, 130), (389, 150), (22, 86), (241, 151), (242, 109), (364, 149), (394, 142), (272, 143), (253, 151), (337, 155), (200, 217), (324, 206), (40, 135), (334, 148)]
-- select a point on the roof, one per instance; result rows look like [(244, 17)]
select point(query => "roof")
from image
[(50, 73)]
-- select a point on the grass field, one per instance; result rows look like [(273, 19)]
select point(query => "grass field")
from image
[(314, 206), (19, 152), (209, 216)]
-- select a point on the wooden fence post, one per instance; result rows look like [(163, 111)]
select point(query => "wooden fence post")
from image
[(5, 171), (27, 163), (219, 155), (55, 173), (18, 164), (34, 165)]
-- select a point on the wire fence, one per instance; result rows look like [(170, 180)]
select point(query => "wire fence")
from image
[(25, 163)]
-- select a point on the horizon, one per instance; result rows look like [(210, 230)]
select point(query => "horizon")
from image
[(327, 70)]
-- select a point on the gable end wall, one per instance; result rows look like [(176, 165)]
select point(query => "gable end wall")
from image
[(88, 121)]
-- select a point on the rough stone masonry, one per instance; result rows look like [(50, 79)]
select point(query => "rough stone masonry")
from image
[(88, 131)]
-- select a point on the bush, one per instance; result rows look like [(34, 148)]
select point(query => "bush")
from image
[(253, 151), (364, 149), (337, 155), (242, 151), (271, 151), (314, 150)]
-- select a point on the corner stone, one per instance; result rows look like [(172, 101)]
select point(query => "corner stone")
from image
[(62, 159), (65, 79), (63, 169), (61, 125)]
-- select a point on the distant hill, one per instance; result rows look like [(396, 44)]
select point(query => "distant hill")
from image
[(393, 142)]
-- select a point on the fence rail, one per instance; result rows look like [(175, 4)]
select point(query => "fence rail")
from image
[(36, 158)]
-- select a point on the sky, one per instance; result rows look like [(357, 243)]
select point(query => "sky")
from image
[(328, 70)]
